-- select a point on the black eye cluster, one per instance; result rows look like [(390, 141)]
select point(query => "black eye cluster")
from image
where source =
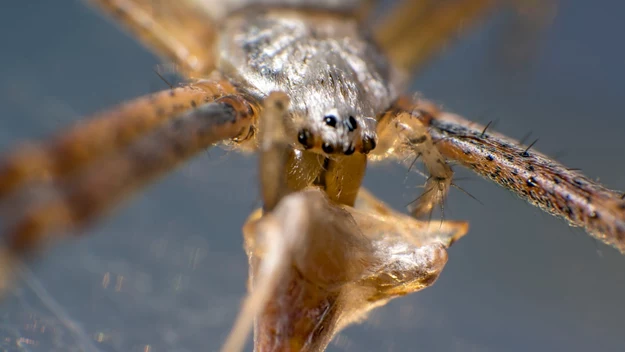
[(351, 125), (305, 137)]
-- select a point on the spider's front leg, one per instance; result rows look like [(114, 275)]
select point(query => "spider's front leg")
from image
[(115, 166), (101, 134), (317, 266), (532, 176)]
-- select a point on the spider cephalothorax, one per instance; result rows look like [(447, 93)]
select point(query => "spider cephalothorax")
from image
[(336, 79)]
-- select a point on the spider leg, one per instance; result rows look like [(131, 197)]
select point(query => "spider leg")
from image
[(179, 30), (316, 266), (74, 201), (401, 135), (414, 31), (101, 134), (532, 176)]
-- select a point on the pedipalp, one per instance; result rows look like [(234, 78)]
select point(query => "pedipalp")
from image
[(402, 135)]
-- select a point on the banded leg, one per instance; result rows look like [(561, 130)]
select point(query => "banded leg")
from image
[(78, 199), (415, 31), (179, 30), (529, 174), (315, 266), (102, 134)]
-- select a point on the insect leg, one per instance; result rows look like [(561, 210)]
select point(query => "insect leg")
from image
[(78, 199), (178, 30), (529, 174), (101, 134), (416, 30)]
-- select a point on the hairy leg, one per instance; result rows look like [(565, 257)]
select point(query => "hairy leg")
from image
[(101, 134), (532, 176), (74, 201)]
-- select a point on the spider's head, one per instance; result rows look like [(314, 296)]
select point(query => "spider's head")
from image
[(338, 133)]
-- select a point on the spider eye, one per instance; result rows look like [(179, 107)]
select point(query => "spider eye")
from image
[(304, 137), (330, 120), (350, 150), (351, 124), (368, 144), (327, 148)]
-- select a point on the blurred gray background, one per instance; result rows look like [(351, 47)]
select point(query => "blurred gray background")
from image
[(166, 272)]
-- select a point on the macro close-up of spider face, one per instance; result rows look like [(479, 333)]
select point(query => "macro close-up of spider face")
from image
[(353, 132)]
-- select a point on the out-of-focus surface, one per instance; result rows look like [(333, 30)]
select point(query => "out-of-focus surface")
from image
[(166, 272)]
